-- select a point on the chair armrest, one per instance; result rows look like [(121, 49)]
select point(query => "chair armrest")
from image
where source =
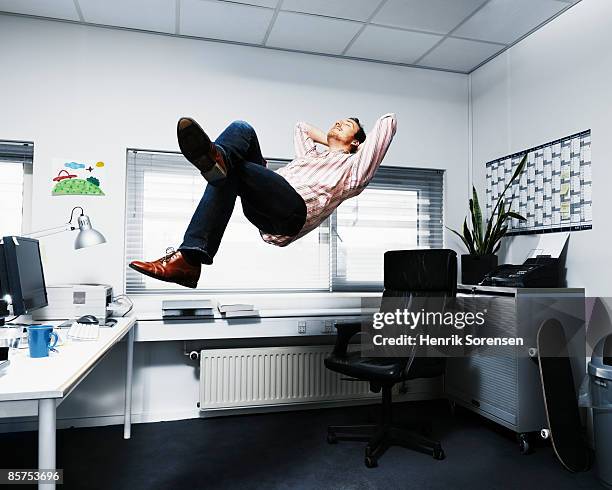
[(345, 332)]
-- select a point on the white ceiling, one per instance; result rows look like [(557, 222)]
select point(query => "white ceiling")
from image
[(455, 35)]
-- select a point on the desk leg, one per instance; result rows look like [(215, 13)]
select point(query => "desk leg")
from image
[(46, 438), (128, 385)]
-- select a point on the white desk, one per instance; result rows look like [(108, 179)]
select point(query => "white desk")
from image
[(49, 380)]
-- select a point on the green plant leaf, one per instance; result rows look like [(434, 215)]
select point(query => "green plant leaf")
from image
[(474, 227), (467, 246), (519, 168), (496, 242), (496, 228), (495, 250), (517, 216), (487, 236), (469, 238), (476, 216), (517, 172)]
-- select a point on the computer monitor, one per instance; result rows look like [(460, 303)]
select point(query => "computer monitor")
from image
[(4, 291), (21, 274)]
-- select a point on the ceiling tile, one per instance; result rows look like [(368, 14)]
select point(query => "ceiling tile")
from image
[(57, 9), (506, 21), (312, 33), (227, 21), (150, 15), (460, 54), (343, 9), (386, 44), (440, 16), (260, 3)]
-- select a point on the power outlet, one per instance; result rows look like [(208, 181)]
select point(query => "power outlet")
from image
[(301, 327), (328, 327)]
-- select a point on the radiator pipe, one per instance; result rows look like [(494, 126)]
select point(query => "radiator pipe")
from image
[(194, 355)]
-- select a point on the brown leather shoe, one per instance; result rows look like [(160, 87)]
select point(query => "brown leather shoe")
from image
[(196, 146), (170, 268)]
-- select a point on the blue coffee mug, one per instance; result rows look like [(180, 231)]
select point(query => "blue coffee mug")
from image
[(39, 340)]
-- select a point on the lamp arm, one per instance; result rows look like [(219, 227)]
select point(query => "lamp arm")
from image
[(51, 231)]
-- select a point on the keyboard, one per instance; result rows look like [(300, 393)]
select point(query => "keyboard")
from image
[(83, 331)]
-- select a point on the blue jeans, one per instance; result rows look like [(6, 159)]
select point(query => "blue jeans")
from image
[(268, 200)]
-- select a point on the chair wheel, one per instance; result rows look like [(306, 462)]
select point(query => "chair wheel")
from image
[(331, 438), (370, 462), (438, 453)]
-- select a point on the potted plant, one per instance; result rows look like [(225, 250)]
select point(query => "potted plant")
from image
[(482, 247)]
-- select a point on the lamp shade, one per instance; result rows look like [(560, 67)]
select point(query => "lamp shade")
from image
[(87, 236)]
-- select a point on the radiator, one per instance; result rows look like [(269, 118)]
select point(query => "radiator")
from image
[(256, 377)]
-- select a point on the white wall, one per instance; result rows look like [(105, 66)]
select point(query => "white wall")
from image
[(81, 92), (555, 83)]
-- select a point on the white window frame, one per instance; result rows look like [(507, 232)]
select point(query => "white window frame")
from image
[(20, 153)]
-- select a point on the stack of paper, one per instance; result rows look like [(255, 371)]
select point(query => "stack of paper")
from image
[(237, 310), (188, 309)]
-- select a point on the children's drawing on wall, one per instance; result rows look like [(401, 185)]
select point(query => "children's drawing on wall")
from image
[(78, 178)]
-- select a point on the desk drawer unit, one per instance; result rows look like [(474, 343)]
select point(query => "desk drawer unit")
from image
[(277, 376), (489, 384), (506, 387)]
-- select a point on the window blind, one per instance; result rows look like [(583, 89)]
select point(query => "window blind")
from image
[(15, 163), (401, 208), (164, 190)]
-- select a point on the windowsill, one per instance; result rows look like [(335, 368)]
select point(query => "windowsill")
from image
[(148, 306)]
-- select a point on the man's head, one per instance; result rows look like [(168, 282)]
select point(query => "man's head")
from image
[(346, 134)]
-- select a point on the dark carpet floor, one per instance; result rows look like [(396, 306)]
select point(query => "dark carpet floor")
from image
[(289, 450)]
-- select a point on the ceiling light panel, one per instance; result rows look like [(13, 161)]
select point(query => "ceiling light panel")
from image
[(225, 21), (505, 21), (386, 44), (460, 54), (312, 33), (149, 15), (56, 9), (343, 9), (439, 16)]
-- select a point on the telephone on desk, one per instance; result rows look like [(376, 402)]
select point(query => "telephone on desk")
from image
[(538, 272)]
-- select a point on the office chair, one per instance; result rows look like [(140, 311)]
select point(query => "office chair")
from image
[(410, 277)]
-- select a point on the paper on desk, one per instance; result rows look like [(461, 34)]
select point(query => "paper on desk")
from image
[(550, 244)]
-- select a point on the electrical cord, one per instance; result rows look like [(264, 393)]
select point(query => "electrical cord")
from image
[(125, 297)]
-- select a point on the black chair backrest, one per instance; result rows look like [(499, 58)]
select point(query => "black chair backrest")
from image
[(421, 271), (418, 279)]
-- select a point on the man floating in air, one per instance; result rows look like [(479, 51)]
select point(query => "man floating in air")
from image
[(285, 204)]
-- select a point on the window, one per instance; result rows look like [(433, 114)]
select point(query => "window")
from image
[(401, 208), (15, 179)]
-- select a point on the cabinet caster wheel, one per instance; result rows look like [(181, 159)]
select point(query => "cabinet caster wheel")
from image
[(331, 438), (370, 462), (438, 454), (524, 444)]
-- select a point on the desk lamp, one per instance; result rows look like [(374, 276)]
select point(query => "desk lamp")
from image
[(87, 236)]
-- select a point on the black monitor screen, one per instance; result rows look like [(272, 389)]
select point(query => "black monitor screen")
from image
[(4, 289), (26, 280)]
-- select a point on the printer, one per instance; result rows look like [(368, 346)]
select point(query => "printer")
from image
[(537, 272), (71, 301), (544, 267)]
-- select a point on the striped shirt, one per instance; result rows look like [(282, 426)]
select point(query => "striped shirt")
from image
[(326, 178)]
